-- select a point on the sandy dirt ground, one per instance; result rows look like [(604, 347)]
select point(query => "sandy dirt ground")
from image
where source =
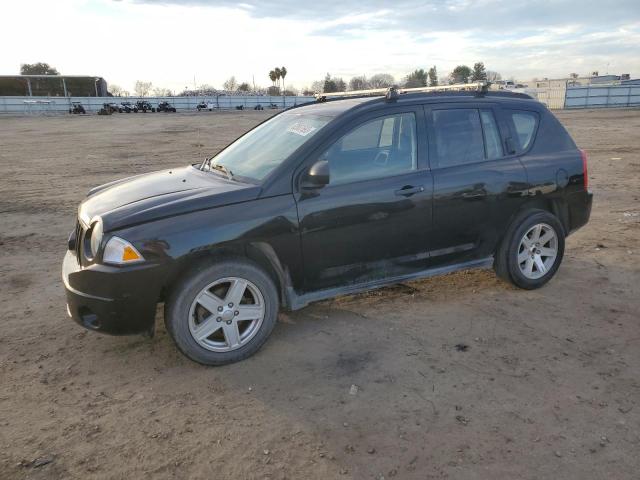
[(548, 386)]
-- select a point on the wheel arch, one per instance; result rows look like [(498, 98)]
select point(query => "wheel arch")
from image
[(261, 254), (556, 206)]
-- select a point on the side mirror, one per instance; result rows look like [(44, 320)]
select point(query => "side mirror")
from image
[(317, 176)]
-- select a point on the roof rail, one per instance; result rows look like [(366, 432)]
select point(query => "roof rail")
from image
[(392, 93)]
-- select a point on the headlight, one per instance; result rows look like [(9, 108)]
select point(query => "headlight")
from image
[(96, 238), (120, 252)]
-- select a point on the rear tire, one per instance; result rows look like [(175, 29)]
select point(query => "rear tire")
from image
[(531, 251), (222, 313)]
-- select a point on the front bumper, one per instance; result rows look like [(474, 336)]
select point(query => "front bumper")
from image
[(114, 300)]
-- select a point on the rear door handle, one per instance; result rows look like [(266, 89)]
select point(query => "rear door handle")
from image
[(473, 195), (409, 190)]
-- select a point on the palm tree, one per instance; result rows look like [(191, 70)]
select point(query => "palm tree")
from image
[(278, 74), (272, 76), (283, 73)]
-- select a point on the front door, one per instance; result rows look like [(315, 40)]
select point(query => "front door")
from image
[(372, 220)]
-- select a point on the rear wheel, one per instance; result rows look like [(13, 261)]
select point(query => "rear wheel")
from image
[(532, 250), (223, 313)]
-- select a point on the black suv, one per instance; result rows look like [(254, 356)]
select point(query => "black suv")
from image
[(325, 199)]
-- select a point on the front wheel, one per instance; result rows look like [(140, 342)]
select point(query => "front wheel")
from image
[(222, 313), (532, 250)]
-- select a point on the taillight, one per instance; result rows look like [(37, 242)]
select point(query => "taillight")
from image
[(584, 168)]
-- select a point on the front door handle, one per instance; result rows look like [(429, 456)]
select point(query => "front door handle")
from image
[(409, 190)]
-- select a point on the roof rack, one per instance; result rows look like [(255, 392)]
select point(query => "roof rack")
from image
[(392, 93)]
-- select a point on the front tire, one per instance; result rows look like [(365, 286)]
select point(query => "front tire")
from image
[(532, 250), (222, 313)]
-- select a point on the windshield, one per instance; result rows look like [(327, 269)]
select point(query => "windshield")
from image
[(261, 150)]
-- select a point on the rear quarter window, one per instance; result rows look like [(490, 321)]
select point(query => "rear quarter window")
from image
[(524, 124)]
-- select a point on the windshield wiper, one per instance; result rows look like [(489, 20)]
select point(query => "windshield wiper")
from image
[(218, 166)]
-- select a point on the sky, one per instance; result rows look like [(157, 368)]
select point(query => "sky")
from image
[(179, 43)]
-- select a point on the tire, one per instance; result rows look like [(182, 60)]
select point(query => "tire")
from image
[(185, 315), (530, 264)]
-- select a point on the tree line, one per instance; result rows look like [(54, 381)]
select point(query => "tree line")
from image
[(417, 78)]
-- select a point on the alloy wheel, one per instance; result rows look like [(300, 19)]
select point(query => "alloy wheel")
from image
[(537, 251), (226, 314)]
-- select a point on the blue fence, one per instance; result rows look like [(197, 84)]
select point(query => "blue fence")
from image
[(597, 96)]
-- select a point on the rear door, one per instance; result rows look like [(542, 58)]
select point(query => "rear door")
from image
[(477, 184), (372, 220)]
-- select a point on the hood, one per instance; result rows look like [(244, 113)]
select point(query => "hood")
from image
[(161, 194)]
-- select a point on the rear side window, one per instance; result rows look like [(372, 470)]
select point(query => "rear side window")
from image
[(524, 124), (458, 137)]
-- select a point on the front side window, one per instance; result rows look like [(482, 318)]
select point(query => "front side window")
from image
[(378, 148), (256, 154)]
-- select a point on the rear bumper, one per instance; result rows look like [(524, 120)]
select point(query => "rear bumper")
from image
[(579, 209), (113, 300)]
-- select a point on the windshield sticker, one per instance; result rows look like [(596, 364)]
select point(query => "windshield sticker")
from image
[(300, 128)]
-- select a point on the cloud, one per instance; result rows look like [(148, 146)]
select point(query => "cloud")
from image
[(449, 15), (198, 41)]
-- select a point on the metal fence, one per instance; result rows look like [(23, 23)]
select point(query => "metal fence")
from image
[(552, 97), (60, 105), (597, 96), (593, 96)]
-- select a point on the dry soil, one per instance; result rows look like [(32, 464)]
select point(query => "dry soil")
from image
[(548, 386)]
